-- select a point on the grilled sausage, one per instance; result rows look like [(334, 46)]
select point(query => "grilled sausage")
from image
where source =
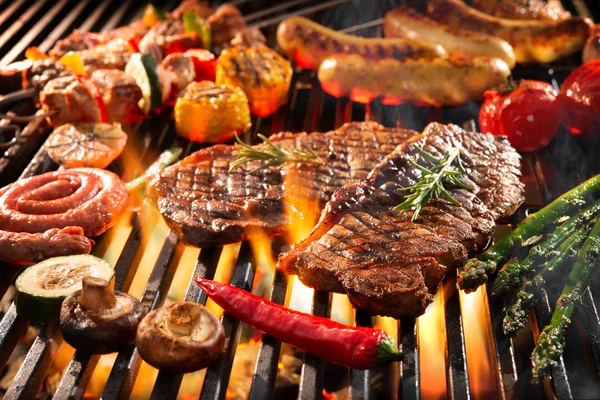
[(532, 40), (523, 9), (407, 23), (439, 82), (309, 43)]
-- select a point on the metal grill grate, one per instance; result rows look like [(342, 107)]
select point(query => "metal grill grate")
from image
[(547, 173)]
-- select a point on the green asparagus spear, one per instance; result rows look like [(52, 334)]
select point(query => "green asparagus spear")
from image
[(476, 271), (511, 276), (518, 313), (551, 342), (165, 159)]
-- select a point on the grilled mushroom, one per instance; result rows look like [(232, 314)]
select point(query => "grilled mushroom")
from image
[(97, 320), (182, 337)]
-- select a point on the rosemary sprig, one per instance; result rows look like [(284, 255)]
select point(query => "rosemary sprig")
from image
[(272, 155), (432, 181)]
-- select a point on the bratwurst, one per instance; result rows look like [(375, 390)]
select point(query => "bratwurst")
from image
[(309, 43), (439, 82), (540, 41), (53, 214), (405, 22)]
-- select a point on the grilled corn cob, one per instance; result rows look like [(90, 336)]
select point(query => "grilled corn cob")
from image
[(209, 113), (262, 74)]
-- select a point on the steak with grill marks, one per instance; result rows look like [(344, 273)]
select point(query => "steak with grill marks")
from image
[(388, 264), (207, 205)]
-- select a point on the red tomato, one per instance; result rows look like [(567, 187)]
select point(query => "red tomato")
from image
[(205, 64), (528, 114), (580, 99)]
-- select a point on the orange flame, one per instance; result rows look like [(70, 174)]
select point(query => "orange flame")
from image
[(431, 336), (476, 325), (303, 212), (263, 256)]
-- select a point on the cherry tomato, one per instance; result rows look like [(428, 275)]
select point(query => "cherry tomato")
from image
[(205, 64), (580, 99), (527, 113)]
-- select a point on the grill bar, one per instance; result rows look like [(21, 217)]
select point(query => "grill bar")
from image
[(409, 367), (458, 376)]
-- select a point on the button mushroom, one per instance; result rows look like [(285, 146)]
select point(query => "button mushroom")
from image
[(182, 337), (97, 320)]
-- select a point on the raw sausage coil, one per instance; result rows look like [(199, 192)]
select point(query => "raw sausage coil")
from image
[(54, 213)]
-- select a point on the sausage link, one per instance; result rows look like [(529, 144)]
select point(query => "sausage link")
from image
[(51, 214), (439, 82), (309, 43), (404, 22), (533, 40)]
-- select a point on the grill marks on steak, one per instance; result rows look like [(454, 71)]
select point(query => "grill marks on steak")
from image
[(208, 205), (387, 264)]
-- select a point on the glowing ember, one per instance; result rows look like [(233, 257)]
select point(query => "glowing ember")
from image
[(431, 336), (476, 325)]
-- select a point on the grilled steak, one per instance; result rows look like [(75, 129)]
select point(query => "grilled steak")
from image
[(387, 264), (207, 205)]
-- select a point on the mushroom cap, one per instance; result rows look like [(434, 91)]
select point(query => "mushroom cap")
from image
[(87, 332), (182, 353)]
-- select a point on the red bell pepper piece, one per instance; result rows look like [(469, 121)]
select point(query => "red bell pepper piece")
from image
[(205, 64), (96, 95), (353, 347)]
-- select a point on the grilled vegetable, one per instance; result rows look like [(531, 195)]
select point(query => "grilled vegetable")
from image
[(205, 64), (209, 113), (476, 270), (35, 54), (526, 112), (579, 100), (42, 287), (262, 74), (353, 347), (551, 342), (512, 275), (97, 320), (143, 68), (86, 145), (194, 24), (73, 61), (152, 16), (182, 337), (518, 312), (165, 159)]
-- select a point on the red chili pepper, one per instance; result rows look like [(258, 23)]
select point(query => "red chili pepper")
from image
[(96, 95), (353, 347)]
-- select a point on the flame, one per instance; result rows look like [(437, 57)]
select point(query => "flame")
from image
[(476, 326), (224, 272), (327, 395), (431, 336), (263, 256)]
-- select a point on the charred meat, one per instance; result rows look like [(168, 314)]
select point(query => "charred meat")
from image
[(207, 204), (120, 94), (249, 37), (389, 264), (66, 100), (170, 37), (226, 22)]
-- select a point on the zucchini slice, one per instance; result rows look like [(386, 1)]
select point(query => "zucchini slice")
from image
[(142, 68), (42, 287)]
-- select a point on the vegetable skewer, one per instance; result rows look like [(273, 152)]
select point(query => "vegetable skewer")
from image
[(517, 314), (476, 270), (551, 342), (510, 278), (353, 347)]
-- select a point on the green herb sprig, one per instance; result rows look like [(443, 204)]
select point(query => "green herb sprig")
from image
[(272, 155), (432, 181)]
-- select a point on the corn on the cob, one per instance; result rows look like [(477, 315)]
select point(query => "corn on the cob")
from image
[(262, 74), (209, 113)]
